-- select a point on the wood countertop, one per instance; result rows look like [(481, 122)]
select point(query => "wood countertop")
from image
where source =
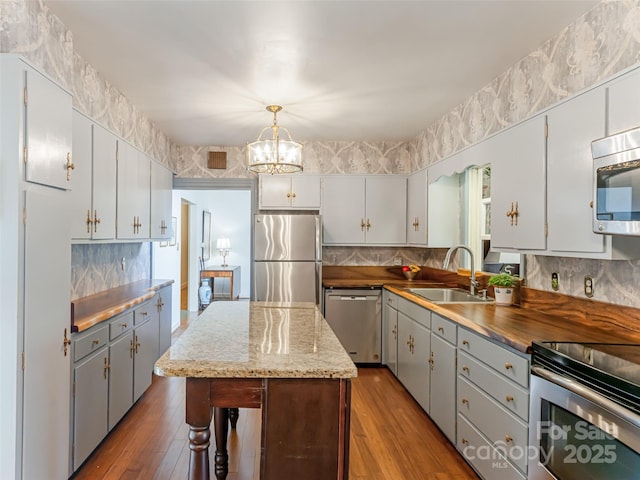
[(93, 309), (542, 316), (257, 340), (520, 327)]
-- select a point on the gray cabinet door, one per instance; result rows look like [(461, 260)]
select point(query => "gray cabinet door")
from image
[(121, 354), (443, 377), (413, 355), (146, 338), (90, 405), (390, 338), (163, 303)]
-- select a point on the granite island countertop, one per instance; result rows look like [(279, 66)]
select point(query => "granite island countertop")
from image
[(257, 340)]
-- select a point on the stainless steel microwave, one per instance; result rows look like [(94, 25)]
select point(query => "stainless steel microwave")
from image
[(616, 183)]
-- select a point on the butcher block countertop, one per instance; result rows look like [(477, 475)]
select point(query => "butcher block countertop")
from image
[(520, 327), (257, 340), (93, 309), (541, 316)]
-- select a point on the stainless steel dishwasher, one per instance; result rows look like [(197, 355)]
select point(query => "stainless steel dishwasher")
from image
[(355, 317)]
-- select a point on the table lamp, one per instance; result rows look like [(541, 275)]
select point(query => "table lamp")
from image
[(223, 244)]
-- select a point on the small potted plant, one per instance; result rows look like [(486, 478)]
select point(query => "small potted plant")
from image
[(503, 284)]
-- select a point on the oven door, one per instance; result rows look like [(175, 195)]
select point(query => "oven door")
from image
[(577, 433)]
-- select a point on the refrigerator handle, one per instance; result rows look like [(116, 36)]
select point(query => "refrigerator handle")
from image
[(318, 283)]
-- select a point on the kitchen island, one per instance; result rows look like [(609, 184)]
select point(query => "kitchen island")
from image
[(281, 357)]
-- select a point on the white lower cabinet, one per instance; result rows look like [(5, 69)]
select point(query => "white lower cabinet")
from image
[(493, 407), (390, 331), (113, 366), (90, 392), (414, 341), (145, 342), (443, 375)]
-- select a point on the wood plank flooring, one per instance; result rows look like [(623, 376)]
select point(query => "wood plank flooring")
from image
[(391, 438)]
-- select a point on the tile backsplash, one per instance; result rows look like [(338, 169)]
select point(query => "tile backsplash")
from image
[(98, 267)]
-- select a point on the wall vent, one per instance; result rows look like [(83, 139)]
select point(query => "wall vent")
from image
[(217, 160)]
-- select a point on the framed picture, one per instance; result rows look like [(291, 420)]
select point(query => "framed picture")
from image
[(174, 229), (206, 235)]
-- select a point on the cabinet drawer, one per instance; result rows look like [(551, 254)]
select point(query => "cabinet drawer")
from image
[(510, 395), (142, 313), (123, 323), (506, 362), (474, 448), (89, 342), (506, 432), (390, 299), (444, 328), (416, 312)]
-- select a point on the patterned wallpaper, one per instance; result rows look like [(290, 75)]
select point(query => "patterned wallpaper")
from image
[(604, 41), (319, 157)]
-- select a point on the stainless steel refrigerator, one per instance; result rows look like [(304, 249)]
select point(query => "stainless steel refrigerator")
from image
[(287, 258)]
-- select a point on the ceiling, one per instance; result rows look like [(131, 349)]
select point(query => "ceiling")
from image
[(204, 71)]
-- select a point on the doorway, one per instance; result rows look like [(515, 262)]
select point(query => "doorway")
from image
[(231, 204), (184, 255)]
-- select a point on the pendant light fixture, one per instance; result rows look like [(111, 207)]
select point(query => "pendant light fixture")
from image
[(274, 155)]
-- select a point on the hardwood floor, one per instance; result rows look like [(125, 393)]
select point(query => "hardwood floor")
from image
[(391, 438)]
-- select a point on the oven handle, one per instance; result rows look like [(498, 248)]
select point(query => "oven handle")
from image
[(587, 393)]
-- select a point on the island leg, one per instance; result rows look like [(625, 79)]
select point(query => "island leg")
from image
[(221, 426), (233, 417), (199, 420)]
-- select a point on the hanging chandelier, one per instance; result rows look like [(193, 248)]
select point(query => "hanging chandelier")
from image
[(274, 155)]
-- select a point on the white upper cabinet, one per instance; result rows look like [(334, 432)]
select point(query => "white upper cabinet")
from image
[(417, 208), (47, 152), (518, 186), (624, 102), (161, 186), (289, 192), (93, 205), (133, 197), (364, 209), (443, 211), (572, 127)]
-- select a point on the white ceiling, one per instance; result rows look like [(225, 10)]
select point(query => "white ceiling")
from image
[(203, 71)]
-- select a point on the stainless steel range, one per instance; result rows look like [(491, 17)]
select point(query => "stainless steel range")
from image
[(585, 411)]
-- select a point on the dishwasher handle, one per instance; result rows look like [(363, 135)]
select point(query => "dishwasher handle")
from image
[(353, 297)]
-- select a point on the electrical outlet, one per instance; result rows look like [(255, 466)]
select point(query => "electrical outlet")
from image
[(588, 286), (397, 260), (555, 281)]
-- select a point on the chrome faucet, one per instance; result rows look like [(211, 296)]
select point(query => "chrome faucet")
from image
[(473, 284)]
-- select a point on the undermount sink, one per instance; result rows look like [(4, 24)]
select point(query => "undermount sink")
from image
[(448, 295)]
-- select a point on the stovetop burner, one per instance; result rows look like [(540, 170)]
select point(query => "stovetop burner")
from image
[(611, 369)]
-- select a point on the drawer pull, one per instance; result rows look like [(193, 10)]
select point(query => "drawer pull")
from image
[(464, 441), (508, 366), (96, 342), (465, 401), (124, 325), (441, 330), (465, 342), (465, 368), (509, 398), (144, 314), (508, 439)]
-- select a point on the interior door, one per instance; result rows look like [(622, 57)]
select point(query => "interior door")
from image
[(47, 374)]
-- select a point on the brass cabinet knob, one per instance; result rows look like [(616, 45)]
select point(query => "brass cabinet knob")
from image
[(508, 439), (465, 401), (441, 330), (508, 366), (465, 342), (464, 441), (509, 398), (465, 368)]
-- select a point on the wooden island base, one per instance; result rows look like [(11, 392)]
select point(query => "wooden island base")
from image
[(305, 425)]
